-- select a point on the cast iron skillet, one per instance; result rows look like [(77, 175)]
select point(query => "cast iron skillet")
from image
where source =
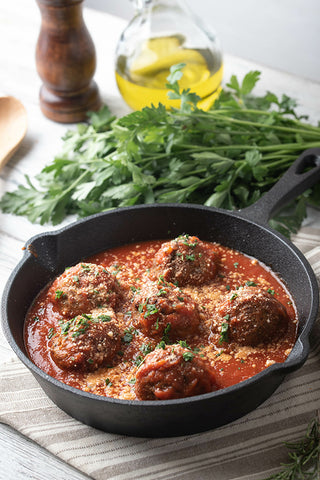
[(48, 254)]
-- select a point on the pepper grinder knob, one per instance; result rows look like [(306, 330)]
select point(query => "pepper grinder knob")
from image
[(66, 62)]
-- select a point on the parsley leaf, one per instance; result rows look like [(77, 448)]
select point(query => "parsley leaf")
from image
[(226, 157)]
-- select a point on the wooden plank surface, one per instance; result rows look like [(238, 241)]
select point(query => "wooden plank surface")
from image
[(23, 459), (19, 457)]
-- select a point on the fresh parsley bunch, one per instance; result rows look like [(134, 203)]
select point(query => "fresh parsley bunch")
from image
[(226, 157)]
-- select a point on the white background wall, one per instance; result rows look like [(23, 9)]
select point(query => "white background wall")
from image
[(282, 34)]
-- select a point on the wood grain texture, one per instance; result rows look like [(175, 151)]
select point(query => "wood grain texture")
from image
[(66, 62), (13, 127), (26, 460)]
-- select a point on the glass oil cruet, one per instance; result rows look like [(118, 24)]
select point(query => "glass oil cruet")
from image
[(163, 33)]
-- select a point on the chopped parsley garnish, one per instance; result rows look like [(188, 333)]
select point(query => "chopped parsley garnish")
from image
[(250, 283), (161, 280), (135, 289), (108, 382), (80, 325), (50, 333), (165, 336), (184, 344), (65, 327), (224, 332), (60, 294), (104, 318), (117, 269), (150, 310), (146, 348), (85, 267), (138, 360), (128, 336), (185, 240), (187, 356), (162, 292)]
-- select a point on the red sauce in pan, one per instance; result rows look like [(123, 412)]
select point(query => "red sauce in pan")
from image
[(165, 310)]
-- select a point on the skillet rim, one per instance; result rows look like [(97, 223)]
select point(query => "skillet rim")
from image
[(289, 365)]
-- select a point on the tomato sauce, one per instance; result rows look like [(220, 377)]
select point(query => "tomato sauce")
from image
[(131, 266)]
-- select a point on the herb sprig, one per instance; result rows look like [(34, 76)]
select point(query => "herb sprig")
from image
[(304, 457), (227, 157)]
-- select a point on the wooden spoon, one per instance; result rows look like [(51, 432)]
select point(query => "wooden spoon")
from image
[(13, 127)]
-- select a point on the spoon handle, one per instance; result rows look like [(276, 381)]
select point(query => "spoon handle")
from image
[(13, 127)]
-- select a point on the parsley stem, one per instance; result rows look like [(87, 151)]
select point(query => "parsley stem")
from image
[(227, 157), (245, 147), (261, 113), (262, 125), (73, 185)]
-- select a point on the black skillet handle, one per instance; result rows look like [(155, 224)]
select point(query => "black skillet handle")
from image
[(303, 174)]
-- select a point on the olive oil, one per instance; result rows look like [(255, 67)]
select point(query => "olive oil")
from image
[(142, 79)]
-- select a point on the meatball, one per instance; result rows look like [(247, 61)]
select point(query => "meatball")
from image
[(162, 309), (186, 261), (173, 372), (252, 316), (86, 342), (82, 288)]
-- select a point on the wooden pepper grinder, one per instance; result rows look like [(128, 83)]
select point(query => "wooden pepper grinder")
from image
[(66, 62)]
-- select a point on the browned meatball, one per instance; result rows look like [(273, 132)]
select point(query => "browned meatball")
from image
[(82, 288), (252, 316), (173, 372), (86, 342), (186, 261), (162, 309)]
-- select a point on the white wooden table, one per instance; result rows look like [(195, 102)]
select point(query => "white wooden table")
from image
[(19, 28)]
